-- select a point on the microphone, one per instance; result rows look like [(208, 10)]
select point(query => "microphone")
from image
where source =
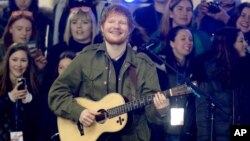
[(147, 49)]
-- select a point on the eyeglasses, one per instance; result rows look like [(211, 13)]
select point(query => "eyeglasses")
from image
[(83, 9), (21, 12)]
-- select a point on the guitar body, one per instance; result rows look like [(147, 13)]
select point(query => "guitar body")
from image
[(68, 130), (116, 114)]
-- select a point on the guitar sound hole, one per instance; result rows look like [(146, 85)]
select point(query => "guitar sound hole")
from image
[(102, 117)]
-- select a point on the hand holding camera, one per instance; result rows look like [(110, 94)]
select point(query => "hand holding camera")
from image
[(209, 7), (220, 16), (213, 7), (214, 10)]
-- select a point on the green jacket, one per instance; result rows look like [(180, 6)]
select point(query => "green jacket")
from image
[(89, 75)]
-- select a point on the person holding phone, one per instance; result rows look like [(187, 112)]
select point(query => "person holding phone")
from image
[(18, 94), (21, 28)]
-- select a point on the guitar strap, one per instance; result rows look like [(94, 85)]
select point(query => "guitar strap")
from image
[(133, 81)]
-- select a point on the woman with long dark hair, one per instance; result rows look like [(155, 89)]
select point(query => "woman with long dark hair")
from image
[(18, 107), (241, 19), (221, 79), (179, 58), (180, 13)]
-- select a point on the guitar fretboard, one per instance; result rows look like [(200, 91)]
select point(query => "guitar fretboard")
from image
[(136, 104), (146, 100)]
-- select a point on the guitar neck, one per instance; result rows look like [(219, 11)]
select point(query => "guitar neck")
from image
[(136, 104), (143, 101)]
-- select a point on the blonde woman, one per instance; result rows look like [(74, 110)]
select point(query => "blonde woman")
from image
[(80, 32)]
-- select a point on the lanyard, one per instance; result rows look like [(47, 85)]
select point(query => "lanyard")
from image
[(17, 110)]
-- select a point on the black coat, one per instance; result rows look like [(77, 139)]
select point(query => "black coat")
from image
[(28, 117)]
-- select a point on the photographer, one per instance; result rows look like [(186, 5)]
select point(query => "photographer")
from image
[(212, 16)]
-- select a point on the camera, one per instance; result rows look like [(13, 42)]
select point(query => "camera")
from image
[(213, 7), (23, 83)]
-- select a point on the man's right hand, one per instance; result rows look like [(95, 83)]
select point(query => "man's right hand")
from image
[(87, 117)]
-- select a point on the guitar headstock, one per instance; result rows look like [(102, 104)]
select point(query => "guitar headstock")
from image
[(182, 89)]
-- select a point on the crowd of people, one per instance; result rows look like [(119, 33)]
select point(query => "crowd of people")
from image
[(92, 53)]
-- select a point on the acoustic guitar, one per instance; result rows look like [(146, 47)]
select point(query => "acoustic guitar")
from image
[(113, 117)]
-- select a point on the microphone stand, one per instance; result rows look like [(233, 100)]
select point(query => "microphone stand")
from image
[(213, 104)]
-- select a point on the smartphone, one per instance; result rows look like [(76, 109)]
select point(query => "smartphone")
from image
[(32, 48), (23, 83)]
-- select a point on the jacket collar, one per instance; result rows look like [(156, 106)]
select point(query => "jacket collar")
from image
[(130, 57)]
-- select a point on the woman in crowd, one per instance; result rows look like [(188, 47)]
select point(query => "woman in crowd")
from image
[(21, 29), (41, 21), (180, 13), (241, 19), (15, 102), (80, 32), (179, 57), (220, 78), (62, 22)]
